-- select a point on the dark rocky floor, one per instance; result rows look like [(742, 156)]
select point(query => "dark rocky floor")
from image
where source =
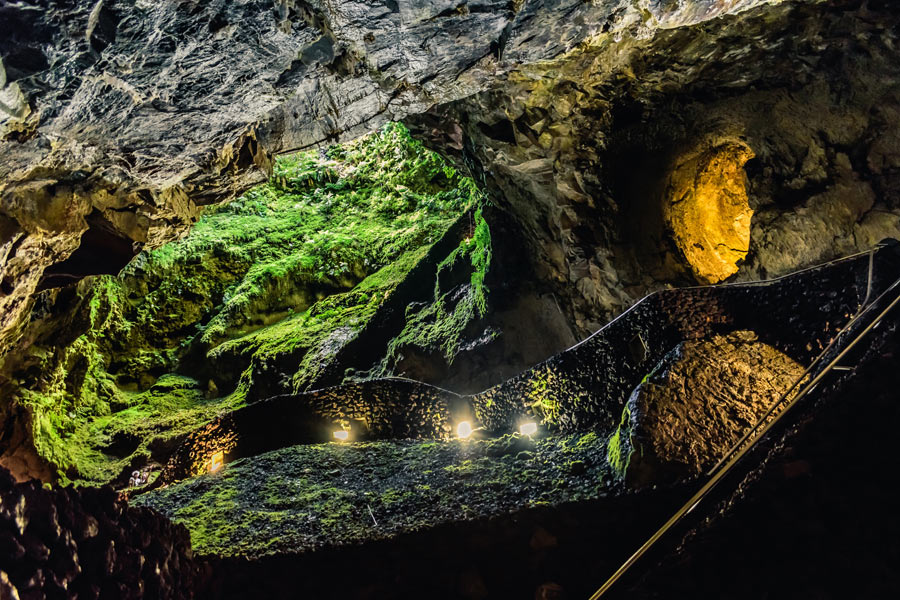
[(303, 498)]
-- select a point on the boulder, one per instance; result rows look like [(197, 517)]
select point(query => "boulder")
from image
[(696, 404)]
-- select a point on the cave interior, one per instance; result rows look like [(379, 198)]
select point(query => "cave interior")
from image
[(397, 299)]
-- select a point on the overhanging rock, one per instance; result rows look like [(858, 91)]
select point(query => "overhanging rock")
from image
[(142, 111)]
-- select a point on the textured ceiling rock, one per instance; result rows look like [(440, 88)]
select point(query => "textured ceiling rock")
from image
[(580, 153), (144, 110)]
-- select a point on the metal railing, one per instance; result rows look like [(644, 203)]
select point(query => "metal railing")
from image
[(756, 433)]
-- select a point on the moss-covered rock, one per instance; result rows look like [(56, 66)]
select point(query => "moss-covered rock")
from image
[(305, 497), (259, 298), (460, 298)]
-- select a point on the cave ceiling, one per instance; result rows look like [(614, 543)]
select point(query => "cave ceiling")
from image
[(136, 113)]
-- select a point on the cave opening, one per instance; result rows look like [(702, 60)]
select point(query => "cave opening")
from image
[(101, 250)]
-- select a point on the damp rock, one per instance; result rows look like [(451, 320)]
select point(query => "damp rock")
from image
[(696, 404)]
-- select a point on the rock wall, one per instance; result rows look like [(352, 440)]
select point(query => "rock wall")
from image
[(582, 152), (139, 113), (65, 542), (379, 409), (589, 384)]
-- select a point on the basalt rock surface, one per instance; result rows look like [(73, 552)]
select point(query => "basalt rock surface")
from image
[(585, 155), (696, 405), (67, 543), (594, 127), (818, 513), (122, 117)]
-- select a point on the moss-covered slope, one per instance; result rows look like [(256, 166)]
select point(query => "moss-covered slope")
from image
[(262, 294), (305, 497)]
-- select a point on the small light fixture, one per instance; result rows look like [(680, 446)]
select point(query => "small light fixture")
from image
[(342, 435), (528, 428), (216, 461), (464, 430)]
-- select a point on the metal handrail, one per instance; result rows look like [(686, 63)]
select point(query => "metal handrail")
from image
[(761, 428), (774, 406)]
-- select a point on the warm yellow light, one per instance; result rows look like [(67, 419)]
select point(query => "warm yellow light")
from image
[(463, 430), (528, 428), (708, 211), (216, 461), (342, 435)]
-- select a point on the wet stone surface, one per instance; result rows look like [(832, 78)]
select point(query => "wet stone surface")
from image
[(303, 498)]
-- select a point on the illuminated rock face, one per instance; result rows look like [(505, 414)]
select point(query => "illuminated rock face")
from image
[(707, 210), (696, 404)]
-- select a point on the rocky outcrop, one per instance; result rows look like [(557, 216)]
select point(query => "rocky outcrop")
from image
[(581, 153), (138, 113), (696, 404), (68, 543)]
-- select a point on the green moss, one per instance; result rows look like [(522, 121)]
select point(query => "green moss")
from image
[(439, 326), (305, 497), (287, 273), (392, 496), (315, 335), (541, 395), (618, 450)]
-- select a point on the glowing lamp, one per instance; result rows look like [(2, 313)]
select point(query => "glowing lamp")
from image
[(216, 461), (463, 430), (528, 428), (342, 436)]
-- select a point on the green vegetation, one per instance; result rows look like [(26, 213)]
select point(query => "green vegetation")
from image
[(304, 497), (267, 287), (439, 326), (619, 448), (329, 222)]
